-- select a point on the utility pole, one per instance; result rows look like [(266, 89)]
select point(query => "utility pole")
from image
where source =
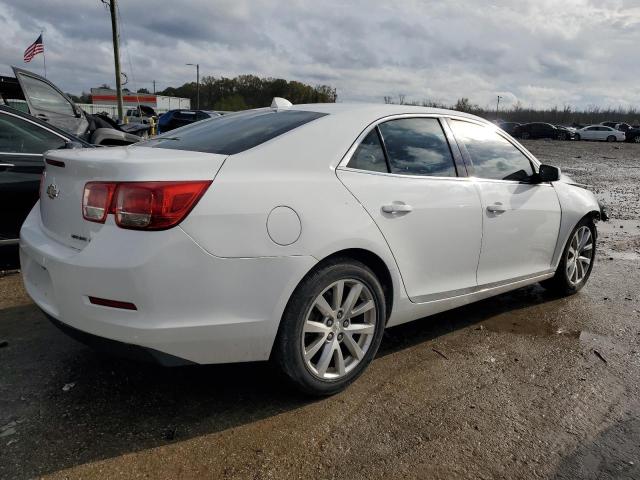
[(498, 106), (116, 53), (197, 65), (154, 87)]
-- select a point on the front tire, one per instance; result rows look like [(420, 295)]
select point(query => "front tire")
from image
[(577, 260), (577, 137), (332, 327)]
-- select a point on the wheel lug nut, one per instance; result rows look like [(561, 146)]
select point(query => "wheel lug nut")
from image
[(340, 337), (345, 324), (330, 336), (329, 323)]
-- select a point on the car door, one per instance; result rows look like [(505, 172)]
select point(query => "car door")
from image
[(403, 172), (521, 220), (589, 133), (22, 144), (50, 104)]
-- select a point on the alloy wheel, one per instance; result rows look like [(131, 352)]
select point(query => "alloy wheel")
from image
[(579, 255), (339, 328)]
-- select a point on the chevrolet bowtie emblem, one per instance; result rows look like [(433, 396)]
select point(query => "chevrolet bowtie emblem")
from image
[(53, 191)]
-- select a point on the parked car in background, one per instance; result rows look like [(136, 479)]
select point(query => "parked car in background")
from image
[(48, 103), (297, 233), (509, 127), (566, 133), (179, 118), (538, 130), (141, 114), (633, 135), (600, 133), (23, 140)]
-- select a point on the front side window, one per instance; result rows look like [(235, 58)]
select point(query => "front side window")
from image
[(20, 136), (234, 133), (492, 155), (417, 146), (369, 155), (43, 96)]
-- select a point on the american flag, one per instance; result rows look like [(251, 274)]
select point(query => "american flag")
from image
[(33, 49)]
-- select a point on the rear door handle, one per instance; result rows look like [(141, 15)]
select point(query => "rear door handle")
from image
[(496, 208), (397, 208)]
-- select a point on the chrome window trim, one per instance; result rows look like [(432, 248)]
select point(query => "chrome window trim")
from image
[(13, 154), (343, 164)]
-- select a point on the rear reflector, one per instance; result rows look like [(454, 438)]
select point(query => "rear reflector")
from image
[(142, 205), (104, 302)]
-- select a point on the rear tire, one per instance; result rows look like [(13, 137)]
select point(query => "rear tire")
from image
[(573, 271), (611, 138), (318, 347)]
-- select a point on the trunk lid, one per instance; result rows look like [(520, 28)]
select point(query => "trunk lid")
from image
[(63, 186)]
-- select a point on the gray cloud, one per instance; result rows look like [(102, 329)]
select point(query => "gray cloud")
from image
[(542, 53)]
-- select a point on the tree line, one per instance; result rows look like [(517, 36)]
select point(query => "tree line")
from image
[(565, 115), (250, 91)]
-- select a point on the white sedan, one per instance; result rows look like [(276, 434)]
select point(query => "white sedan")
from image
[(297, 234), (601, 133)]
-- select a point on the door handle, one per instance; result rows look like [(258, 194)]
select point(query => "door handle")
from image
[(496, 208), (397, 208)]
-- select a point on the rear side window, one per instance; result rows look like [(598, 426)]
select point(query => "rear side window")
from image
[(234, 133), (369, 155), (417, 146), (492, 155)]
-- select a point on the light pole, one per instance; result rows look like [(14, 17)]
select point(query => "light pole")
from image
[(197, 65), (498, 106)]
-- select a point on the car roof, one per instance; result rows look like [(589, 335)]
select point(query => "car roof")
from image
[(18, 113)]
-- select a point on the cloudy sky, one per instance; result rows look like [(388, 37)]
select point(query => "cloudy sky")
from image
[(542, 52)]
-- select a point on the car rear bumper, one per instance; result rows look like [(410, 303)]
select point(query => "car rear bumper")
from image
[(189, 303)]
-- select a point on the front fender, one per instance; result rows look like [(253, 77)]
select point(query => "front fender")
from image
[(575, 203)]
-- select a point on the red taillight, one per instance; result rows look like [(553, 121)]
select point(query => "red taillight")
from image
[(96, 201), (142, 205)]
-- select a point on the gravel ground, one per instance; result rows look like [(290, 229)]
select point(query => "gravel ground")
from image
[(523, 385)]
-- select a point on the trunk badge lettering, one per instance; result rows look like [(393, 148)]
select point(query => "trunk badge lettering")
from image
[(53, 191)]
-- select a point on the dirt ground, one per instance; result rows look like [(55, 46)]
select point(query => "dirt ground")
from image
[(524, 385)]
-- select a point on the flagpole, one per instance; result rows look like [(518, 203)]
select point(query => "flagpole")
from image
[(44, 55)]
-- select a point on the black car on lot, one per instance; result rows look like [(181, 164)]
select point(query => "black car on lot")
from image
[(23, 141), (633, 135), (509, 127), (542, 130), (179, 118)]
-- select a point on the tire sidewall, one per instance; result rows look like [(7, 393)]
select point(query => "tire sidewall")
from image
[(289, 345)]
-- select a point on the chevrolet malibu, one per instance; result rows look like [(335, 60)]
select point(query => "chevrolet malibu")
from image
[(297, 234)]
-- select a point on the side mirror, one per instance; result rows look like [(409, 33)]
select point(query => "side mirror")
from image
[(548, 173)]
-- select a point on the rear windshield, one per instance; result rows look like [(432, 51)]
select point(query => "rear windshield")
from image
[(234, 133)]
